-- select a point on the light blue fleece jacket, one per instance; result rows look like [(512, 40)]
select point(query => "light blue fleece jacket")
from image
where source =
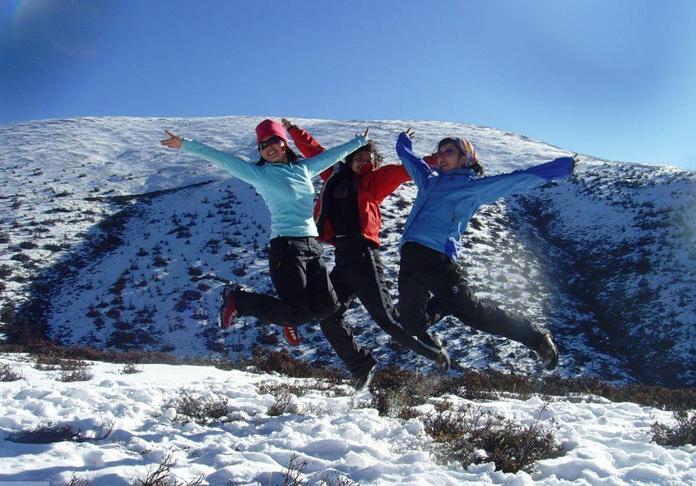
[(286, 188), (446, 201)]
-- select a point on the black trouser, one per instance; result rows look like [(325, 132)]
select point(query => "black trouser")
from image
[(424, 270), (358, 272), (300, 277)]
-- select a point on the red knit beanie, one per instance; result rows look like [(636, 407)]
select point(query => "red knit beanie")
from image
[(270, 128)]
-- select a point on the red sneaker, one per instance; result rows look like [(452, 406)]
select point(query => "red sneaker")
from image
[(292, 335), (228, 309)]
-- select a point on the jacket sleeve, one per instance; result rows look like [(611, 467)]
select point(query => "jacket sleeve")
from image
[(417, 168), (328, 158), (489, 189), (305, 142), (386, 179), (309, 147), (239, 168)]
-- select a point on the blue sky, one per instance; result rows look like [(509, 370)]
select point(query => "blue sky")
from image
[(614, 79)]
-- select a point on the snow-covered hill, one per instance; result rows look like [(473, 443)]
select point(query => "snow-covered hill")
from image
[(103, 231)]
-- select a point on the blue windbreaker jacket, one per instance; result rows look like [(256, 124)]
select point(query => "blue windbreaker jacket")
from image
[(286, 188), (447, 200)]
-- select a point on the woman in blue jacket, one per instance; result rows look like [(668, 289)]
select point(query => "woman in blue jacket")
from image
[(297, 268), (447, 198)]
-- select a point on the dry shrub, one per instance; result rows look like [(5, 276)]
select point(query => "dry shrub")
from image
[(281, 362), (395, 391), (329, 388), (283, 404), (203, 410), (7, 373), (48, 432), (461, 434), (130, 368), (75, 370), (162, 476), (335, 479), (681, 433), (294, 471), (76, 481)]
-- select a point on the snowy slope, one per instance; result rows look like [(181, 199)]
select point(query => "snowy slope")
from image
[(103, 231), (341, 439)]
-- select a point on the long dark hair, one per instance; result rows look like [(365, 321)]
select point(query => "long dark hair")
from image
[(370, 146), (467, 150)]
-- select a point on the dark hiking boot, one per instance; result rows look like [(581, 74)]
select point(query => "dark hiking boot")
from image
[(547, 351), (361, 382), (434, 344), (228, 308), (292, 335)]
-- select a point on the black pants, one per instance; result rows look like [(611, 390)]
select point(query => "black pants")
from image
[(358, 272), (424, 270), (300, 277)]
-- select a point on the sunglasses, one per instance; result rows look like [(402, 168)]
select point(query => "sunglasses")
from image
[(271, 141), (446, 152)]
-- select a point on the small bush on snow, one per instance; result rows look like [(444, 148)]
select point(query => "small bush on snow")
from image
[(49, 432), (7, 373), (75, 370), (283, 404), (203, 410), (294, 471), (681, 433), (162, 476), (469, 436)]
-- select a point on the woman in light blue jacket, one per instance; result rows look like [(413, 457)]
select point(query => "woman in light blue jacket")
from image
[(297, 269), (448, 196)]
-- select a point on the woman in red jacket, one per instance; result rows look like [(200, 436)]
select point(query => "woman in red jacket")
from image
[(348, 216)]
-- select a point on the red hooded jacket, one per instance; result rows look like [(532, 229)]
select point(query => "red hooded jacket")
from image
[(373, 187)]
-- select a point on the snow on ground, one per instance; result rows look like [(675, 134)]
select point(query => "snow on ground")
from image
[(339, 437)]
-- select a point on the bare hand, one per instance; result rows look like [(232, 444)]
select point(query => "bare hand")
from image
[(410, 132), (365, 133), (173, 141), (286, 123)]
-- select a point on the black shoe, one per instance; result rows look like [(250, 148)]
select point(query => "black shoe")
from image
[(443, 360), (434, 344), (362, 381), (547, 351)]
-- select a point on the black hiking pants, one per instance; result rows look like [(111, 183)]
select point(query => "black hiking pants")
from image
[(301, 279), (424, 271), (359, 272)]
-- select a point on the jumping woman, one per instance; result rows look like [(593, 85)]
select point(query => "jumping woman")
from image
[(447, 198)]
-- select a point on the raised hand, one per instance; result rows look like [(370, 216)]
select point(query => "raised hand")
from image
[(286, 123), (174, 141), (410, 132), (365, 133)]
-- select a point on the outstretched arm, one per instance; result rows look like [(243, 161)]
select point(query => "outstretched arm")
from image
[(234, 165), (330, 157), (489, 189), (417, 168), (306, 144)]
